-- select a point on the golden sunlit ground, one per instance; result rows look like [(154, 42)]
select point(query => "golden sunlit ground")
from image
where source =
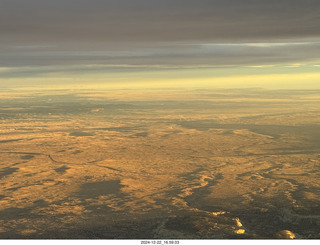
[(160, 164)]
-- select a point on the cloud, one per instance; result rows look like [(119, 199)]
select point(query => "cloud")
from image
[(174, 55), (157, 21), (167, 33)]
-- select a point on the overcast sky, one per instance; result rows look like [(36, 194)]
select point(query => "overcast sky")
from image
[(157, 33)]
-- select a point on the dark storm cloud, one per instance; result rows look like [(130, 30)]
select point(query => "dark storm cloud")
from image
[(36, 32)]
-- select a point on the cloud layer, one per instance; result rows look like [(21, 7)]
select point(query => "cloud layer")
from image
[(165, 33), (157, 21)]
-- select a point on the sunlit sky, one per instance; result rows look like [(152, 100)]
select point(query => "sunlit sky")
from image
[(159, 43)]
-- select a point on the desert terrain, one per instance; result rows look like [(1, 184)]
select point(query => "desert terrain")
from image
[(176, 164)]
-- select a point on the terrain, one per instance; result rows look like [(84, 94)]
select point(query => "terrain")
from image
[(183, 164)]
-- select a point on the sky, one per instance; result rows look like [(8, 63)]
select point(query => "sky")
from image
[(160, 43)]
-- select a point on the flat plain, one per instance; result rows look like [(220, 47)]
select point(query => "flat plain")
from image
[(180, 164)]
